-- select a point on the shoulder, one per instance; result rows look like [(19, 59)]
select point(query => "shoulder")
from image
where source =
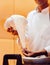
[(30, 14)]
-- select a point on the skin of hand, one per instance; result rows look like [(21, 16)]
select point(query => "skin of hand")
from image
[(34, 54), (27, 53), (14, 32), (24, 50), (9, 29)]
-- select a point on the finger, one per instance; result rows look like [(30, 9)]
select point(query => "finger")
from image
[(25, 54), (25, 51), (31, 54)]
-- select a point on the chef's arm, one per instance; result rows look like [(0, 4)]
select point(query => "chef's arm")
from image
[(39, 53), (45, 51)]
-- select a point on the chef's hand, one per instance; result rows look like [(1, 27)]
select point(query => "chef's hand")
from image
[(9, 29), (28, 53), (24, 50), (14, 32), (34, 54)]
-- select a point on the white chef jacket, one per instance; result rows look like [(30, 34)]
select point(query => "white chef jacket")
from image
[(18, 22), (38, 30)]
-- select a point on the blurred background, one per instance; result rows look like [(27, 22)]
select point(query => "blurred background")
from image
[(8, 8)]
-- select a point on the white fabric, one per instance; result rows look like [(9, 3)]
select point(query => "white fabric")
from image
[(18, 23), (37, 30), (46, 37)]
